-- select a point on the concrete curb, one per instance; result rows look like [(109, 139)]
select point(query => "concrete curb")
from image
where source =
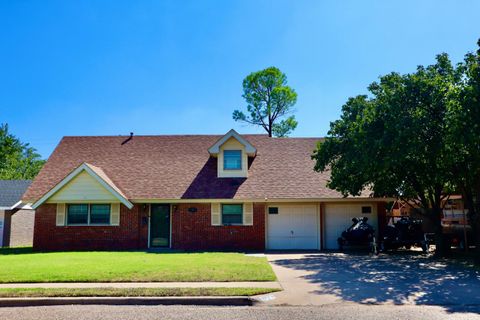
[(206, 301)]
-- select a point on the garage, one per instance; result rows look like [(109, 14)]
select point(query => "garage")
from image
[(338, 217), (293, 227)]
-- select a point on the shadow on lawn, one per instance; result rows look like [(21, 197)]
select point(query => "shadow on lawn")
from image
[(19, 250), (400, 278)]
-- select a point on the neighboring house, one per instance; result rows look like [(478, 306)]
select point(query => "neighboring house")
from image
[(16, 225), (193, 192)]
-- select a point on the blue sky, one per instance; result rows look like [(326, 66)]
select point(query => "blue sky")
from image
[(176, 67)]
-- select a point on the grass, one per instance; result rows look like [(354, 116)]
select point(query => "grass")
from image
[(23, 265), (130, 292)]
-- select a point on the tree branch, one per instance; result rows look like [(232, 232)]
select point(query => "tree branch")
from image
[(408, 202), (257, 109)]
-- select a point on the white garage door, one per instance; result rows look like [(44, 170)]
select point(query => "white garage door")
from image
[(338, 217), (292, 227)]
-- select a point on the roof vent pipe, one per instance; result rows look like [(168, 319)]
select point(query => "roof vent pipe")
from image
[(128, 139)]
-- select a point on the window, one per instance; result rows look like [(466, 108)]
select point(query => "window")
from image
[(366, 210), (232, 159), (77, 214), (100, 214), (232, 214), (85, 214), (273, 210)]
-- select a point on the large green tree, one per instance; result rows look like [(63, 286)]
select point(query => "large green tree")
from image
[(17, 160), (464, 139), (394, 141), (269, 102)]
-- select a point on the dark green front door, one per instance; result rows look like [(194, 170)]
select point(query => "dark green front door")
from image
[(160, 225)]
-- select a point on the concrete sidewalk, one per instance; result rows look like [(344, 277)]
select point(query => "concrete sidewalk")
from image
[(297, 288), (250, 284)]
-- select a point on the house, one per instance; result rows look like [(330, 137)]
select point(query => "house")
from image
[(16, 218), (193, 192)]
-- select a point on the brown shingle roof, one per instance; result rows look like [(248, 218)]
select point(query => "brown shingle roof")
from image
[(180, 167), (105, 178)]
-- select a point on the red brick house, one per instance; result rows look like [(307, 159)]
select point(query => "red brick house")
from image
[(193, 192)]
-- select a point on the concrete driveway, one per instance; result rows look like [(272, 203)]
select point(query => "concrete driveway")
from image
[(403, 278)]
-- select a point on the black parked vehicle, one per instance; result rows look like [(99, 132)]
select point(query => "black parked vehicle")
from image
[(406, 232), (359, 234)]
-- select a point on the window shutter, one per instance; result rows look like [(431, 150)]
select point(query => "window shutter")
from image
[(248, 214), (60, 220), (215, 214), (115, 214)]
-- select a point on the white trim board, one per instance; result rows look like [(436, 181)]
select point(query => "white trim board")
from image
[(249, 149), (270, 201), (19, 205)]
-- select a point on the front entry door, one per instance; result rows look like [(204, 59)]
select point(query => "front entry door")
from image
[(160, 225)]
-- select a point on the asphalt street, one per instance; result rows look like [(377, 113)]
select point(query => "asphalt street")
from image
[(331, 312)]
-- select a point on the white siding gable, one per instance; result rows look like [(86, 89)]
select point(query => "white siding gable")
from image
[(83, 188)]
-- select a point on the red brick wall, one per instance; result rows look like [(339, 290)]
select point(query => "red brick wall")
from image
[(193, 230), (190, 231), (131, 234)]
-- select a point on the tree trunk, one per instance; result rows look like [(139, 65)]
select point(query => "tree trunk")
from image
[(469, 204), (473, 207), (475, 223), (476, 232), (442, 246)]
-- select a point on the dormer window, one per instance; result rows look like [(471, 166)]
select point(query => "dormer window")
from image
[(232, 152), (232, 160)]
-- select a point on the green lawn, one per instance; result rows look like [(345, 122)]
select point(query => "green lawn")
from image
[(22, 265), (130, 292)]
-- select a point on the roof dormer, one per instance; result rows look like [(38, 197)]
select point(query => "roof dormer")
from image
[(232, 152)]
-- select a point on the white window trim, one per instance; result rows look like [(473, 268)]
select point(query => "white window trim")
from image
[(249, 149)]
